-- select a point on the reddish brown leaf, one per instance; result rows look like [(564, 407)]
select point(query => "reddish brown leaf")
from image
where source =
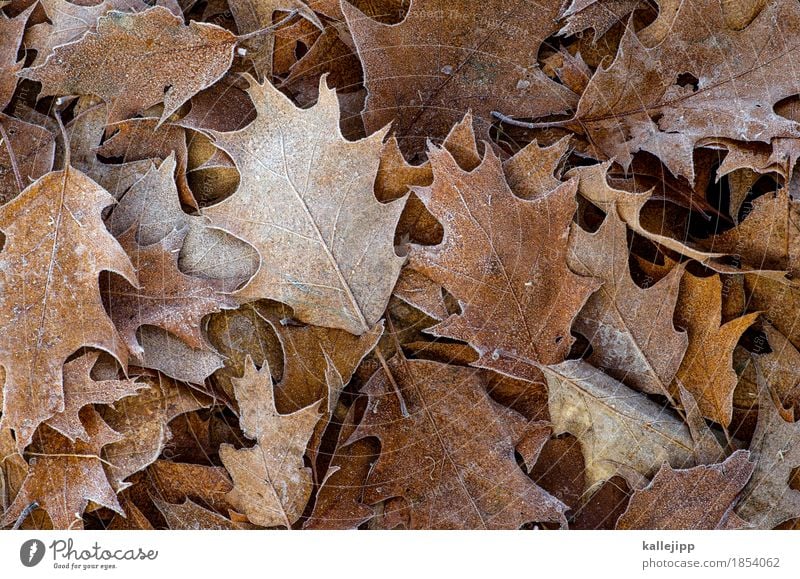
[(517, 295), (56, 246), (630, 328), (152, 57), (446, 59), (707, 368), (166, 297), (80, 390), (451, 456), (65, 476), (698, 498)]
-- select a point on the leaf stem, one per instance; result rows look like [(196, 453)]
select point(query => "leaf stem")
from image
[(24, 515), (13, 157), (526, 125), (270, 28)]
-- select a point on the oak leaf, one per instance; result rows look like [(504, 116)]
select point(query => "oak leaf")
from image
[(68, 22), (86, 131), (698, 498), (253, 16), (620, 431), (451, 455), (11, 30), (166, 297), (309, 352), (143, 139), (628, 205), (174, 482), (666, 96), (80, 390), (768, 500), (769, 237), (189, 516), (33, 149), (338, 503), (448, 58), (317, 364), (239, 335), (271, 484), (65, 476), (305, 203), (143, 424), (599, 15), (505, 260), (630, 328), (778, 360), (707, 368), (171, 356), (56, 246), (153, 206), (151, 57)]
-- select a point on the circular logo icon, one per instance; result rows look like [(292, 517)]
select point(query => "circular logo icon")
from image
[(32, 552)]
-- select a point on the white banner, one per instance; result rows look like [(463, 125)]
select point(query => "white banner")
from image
[(412, 555)]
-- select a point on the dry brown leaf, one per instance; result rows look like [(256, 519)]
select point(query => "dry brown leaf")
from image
[(504, 259), (599, 15), (253, 16), (153, 205), (174, 482), (86, 133), (170, 355), (628, 205), (56, 246), (451, 455), (165, 297), (288, 41), (142, 422), (13, 469), (238, 335), (707, 368), (778, 360), (338, 501), (301, 180), (221, 107), (317, 364), (621, 432), (134, 519), (69, 21), (33, 149), (152, 57), (308, 352), (531, 172), (421, 292), (145, 139), (189, 516), (65, 476), (699, 498), (11, 30), (643, 102), (448, 58), (331, 54), (769, 237), (80, 390), (270, 483), (630, 328), (339, 497), (768, 500)]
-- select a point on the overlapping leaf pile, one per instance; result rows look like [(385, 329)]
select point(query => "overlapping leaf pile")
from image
[(415, 264)]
